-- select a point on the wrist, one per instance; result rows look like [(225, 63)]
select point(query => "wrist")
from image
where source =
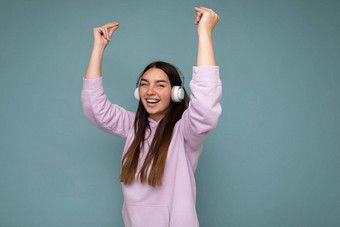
[(204, 33), (98, 49)]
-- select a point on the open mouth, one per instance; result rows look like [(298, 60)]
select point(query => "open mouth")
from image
[(152, 100)]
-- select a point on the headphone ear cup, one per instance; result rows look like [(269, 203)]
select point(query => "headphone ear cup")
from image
[(177, 94), (137, 93)]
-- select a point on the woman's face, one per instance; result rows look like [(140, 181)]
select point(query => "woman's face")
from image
[(155, 92)]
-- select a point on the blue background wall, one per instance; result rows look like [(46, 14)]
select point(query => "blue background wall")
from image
[(273, 160)]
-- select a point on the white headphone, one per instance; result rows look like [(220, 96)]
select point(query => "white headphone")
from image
[(177, 92)]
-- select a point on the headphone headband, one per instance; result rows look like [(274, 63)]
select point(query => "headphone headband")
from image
[(177, 69)]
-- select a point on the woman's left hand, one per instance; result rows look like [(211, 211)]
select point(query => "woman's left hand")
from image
[(206, 19)]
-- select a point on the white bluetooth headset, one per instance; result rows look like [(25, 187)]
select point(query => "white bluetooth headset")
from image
[(177, 92)]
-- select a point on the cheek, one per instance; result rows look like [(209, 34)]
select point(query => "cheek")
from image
[(166, 96), (142, 92)]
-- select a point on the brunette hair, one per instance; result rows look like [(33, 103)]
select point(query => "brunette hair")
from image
[(153, 167)]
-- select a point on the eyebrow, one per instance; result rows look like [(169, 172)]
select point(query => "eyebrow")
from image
[(157, 81)]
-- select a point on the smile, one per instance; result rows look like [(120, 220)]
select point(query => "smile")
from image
[(152, 100)]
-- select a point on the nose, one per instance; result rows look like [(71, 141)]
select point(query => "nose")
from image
[(150, 90)]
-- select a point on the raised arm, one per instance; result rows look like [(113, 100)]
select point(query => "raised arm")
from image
[(204, 107), (101, 37), (206, 20), (97, 108)]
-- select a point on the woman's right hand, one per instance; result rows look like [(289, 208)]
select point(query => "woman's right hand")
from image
[(102, 35)]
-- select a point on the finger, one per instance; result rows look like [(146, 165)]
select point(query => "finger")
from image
[(201, 11), (198, 18), (207, 9), (112, 30), (106, 34), (110, 24), (198, 9), (103, 32)]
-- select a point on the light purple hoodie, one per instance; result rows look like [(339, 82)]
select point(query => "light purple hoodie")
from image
[(172, 204)]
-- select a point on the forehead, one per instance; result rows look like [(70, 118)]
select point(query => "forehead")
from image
[(155, 74)]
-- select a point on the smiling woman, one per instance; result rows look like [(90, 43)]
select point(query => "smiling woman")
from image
[(156, 84), (165, 137)]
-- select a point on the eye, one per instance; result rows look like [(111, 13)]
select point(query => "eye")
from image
[(143, 84), (161, 85)]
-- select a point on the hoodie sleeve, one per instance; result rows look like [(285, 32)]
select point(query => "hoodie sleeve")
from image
[(100, 112), (204, 107)]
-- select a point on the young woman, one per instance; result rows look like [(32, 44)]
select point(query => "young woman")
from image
[(165, 137)]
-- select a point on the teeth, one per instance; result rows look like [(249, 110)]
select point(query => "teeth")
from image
[(152, 100)]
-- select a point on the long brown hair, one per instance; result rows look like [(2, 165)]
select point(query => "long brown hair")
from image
[(156, 157)]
